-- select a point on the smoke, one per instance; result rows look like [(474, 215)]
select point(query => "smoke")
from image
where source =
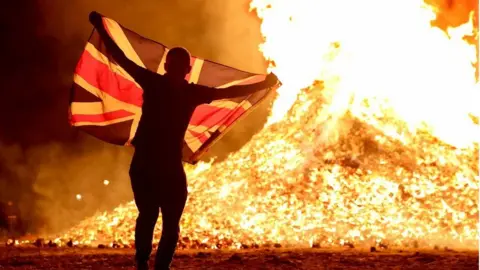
[(44, 163), (51, 175)]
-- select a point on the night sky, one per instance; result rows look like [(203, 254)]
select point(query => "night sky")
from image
[(44, 162)]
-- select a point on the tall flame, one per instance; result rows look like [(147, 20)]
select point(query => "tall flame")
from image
[(379, 146), (389, 60)]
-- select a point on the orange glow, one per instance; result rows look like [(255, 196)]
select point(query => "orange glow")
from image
[(373, 138)]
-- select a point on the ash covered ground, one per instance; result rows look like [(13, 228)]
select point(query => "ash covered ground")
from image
[(318, 258)]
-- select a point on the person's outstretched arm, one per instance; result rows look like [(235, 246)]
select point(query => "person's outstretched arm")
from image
[(119, 56), (239, 90)]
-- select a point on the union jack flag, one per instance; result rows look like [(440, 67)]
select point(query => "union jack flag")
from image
[(106, 101)]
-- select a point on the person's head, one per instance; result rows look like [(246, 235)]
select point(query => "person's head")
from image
[(177, 63)]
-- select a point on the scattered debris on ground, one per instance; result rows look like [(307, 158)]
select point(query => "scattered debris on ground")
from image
[(278, 258)]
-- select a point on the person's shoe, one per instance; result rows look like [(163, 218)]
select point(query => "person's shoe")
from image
[(162, 267), (142, 266)]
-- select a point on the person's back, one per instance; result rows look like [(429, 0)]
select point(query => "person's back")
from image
[(166, 112)]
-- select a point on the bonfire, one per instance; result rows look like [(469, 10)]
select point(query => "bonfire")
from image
[(371, 140)]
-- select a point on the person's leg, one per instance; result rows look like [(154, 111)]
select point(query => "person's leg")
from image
[(172, 205), (144, 227), (148, 210)]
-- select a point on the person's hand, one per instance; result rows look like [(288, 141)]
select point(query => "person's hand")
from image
[(95, 18), (271, 79)]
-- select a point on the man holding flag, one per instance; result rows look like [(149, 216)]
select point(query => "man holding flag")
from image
[(157, 175)]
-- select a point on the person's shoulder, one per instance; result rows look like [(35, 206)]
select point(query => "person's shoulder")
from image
[(194, 86), (154, 76)]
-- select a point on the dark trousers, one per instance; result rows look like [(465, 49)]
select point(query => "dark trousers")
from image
[(162, 187)]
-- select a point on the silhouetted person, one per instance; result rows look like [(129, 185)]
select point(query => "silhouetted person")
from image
[(157, 175)]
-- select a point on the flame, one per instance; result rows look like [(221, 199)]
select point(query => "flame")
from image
[(387, 62), (371, 140)]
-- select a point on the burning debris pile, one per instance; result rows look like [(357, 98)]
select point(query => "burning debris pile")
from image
[(284, 187), (377, 149)]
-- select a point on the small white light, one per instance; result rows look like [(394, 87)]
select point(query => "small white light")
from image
[(79, 197), (106, 182)]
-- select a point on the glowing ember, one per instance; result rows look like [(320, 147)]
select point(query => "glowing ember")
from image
[(78, 196), (106, 182), (383, 150)]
